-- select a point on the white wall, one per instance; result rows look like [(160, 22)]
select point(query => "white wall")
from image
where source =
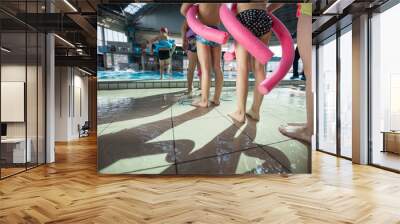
[(33, 126), (71, 102), (81, 103), (62, 82), (14, 73)]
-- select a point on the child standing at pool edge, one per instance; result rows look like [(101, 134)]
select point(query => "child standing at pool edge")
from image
[(209, 53), (165, 50), (253, 16), (189, 45)]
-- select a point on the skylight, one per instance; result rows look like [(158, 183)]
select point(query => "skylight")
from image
[(134, 7)]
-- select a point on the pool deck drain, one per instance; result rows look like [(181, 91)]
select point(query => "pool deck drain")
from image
[(156, 84)]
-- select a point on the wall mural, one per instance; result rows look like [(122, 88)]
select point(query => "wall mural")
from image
[(219, 91)]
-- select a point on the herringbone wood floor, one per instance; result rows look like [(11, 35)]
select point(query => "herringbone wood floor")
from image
[(70, 191)]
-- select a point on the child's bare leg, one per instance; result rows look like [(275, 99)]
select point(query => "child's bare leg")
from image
[(219, 76), (203, 54), (169, 61), (199, 71), (305, 49), (191, 67), (259, 74), (242, 58), (161, 69), (304, 132), (168, 70)]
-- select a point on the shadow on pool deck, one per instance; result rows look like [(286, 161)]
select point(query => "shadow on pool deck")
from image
[(188, 140)]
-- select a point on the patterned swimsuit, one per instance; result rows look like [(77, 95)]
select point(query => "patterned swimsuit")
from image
[(256, 20)]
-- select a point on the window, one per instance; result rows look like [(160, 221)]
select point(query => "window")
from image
[(99, 36), (134, 7), (335, 106), (385, 89), (115, 36), (108, 35), (327, 96), (346, 94)]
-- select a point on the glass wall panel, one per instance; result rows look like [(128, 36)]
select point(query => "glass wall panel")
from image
[(346, 93), (13, 89), (327, 96), (22, 91), (385, 89)]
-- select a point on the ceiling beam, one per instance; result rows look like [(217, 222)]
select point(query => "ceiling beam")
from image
[(81, 61), (80, 20)]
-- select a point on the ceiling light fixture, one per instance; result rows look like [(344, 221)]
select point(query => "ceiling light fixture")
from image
[(86, 72), (333, 6), (64, 40), (337, 7), (5, 50), (70, 5)]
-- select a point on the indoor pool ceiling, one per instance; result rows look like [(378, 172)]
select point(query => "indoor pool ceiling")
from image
[(143, 11)]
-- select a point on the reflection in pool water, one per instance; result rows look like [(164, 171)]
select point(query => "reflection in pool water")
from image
[(152, 75)]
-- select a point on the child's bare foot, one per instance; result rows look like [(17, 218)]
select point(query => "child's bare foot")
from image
[(253, 115), (297, 132), (238, 116), (215, 102), (200, 104)]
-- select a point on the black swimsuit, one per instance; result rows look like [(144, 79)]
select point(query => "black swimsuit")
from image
[(256, 20), (163, 54)]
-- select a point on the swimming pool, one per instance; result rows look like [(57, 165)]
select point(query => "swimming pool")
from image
[(150, 75)]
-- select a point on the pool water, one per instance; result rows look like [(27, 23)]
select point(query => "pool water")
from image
[(155, 75), (151, 75)]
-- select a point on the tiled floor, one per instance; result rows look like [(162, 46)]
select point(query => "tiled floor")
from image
[(157, 131)]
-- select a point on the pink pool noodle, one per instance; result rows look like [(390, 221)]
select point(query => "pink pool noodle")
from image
[(258, 49), (284, 37), (206, 32), (243, 36), (230, 55)]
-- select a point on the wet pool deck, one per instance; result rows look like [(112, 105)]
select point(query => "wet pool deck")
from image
[(157, 131)]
